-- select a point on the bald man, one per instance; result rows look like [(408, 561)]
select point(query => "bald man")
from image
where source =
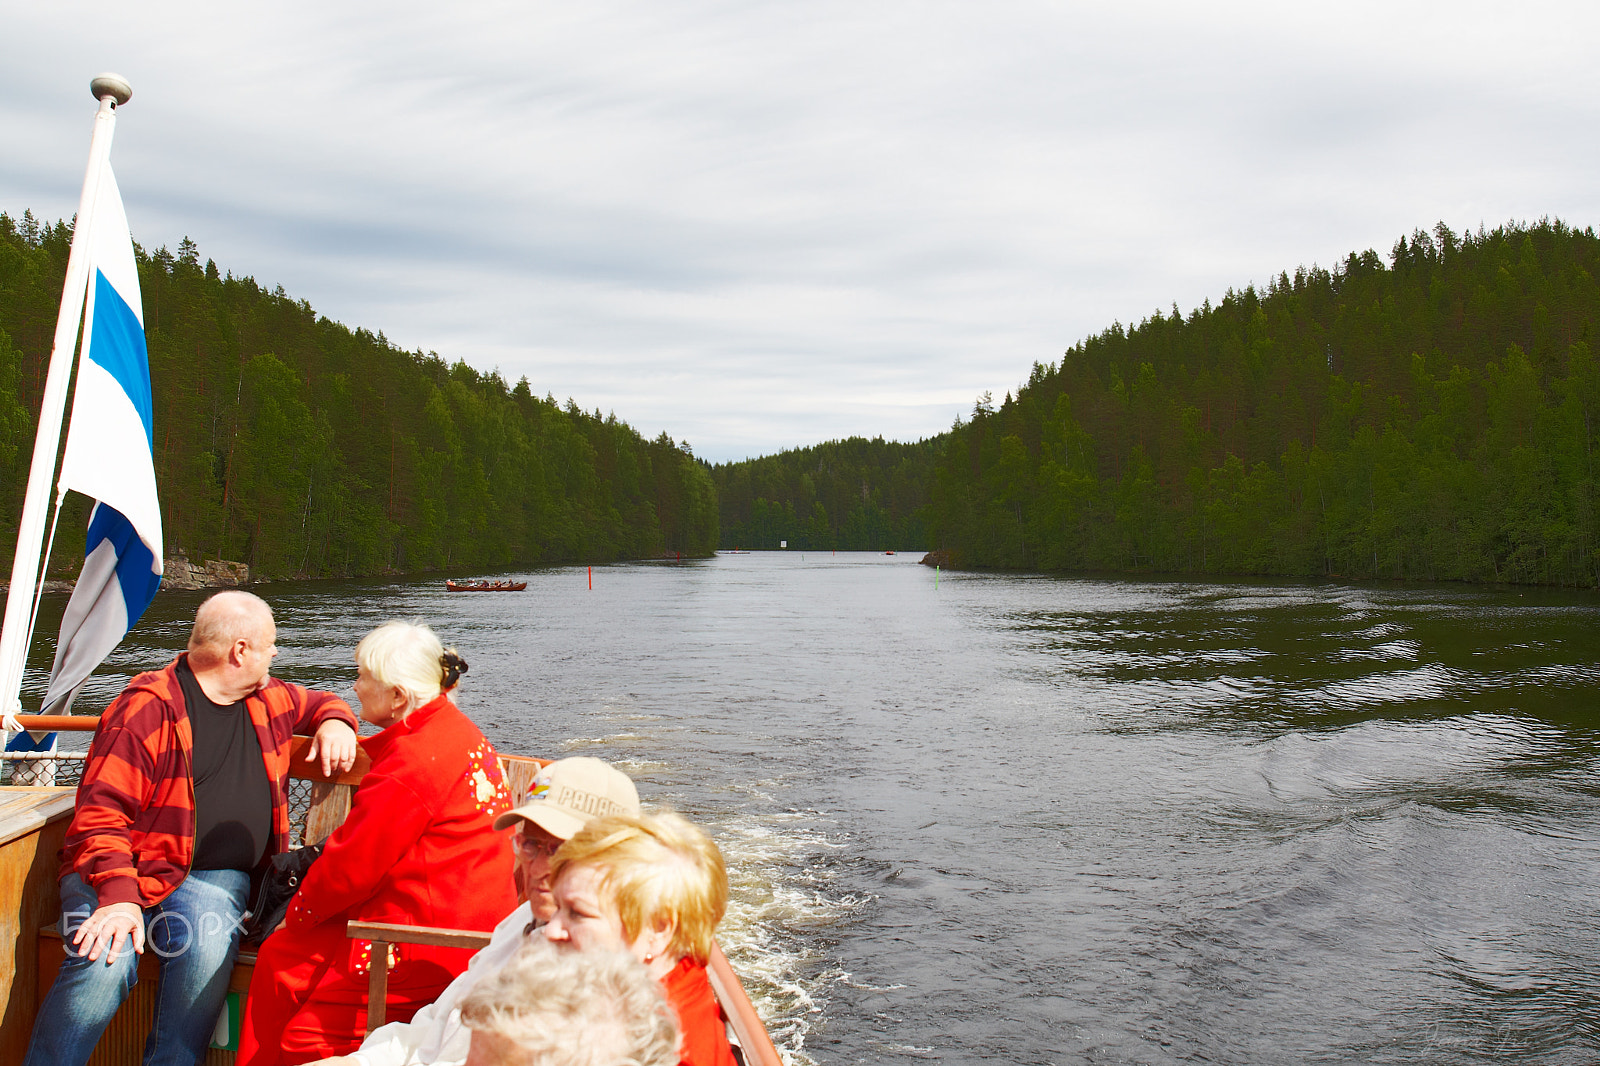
[(184, 794)]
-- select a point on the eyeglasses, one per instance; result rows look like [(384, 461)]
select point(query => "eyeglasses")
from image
[(533, 845)]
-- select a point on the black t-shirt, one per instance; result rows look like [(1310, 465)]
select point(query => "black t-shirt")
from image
[(232, 797)]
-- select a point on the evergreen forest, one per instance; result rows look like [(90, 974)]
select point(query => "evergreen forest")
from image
[(849, 495), (305, 448), (1432, 417)]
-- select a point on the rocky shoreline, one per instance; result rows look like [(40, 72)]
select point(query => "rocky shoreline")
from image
[(179, 573)]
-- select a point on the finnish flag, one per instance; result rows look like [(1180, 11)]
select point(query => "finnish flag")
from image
[(109, 456)]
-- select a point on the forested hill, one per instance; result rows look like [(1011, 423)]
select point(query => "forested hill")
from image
[(303, 447), (854, 494), (1432, 417)]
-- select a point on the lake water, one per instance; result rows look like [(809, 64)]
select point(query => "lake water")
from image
[(1066, 820)]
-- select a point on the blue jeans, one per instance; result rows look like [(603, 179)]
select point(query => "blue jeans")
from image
[(194, 932)]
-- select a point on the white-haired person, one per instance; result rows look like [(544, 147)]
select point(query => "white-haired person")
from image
[(655, 887), (418, 848), (568, 1008), (566, 795)]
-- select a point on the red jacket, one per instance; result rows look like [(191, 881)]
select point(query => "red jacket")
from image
[(705, 1032), (132, 832), (419, 845)]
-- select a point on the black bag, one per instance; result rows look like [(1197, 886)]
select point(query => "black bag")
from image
[(279, 882)]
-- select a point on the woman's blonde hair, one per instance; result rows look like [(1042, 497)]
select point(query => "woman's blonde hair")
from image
[(658, 870), (407, 655)]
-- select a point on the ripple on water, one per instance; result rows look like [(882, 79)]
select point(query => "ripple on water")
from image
[(1034, 819), (783, 902), (1430, 682)]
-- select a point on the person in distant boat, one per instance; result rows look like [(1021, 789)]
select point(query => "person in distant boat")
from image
[(566, 796), (656, 887), (569, 1008), (183, 795), (417, 848)]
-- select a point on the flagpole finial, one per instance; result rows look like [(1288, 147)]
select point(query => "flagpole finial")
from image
[(112, 85)]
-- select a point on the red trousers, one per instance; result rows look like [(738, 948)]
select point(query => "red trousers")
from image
[(308, 997)]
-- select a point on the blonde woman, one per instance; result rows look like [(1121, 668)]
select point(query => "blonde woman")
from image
[(418, 848), (655, 887)]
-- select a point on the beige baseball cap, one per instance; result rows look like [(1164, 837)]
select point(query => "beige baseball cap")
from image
[(570, 793)]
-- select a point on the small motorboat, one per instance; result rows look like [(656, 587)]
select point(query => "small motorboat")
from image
[(484, 586)]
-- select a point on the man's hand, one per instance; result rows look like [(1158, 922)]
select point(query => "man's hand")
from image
[(335, 742), (109, 927)]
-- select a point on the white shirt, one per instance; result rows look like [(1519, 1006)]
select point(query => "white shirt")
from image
[(435, 1036)]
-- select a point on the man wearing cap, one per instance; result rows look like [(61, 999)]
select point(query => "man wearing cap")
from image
[(566, 795)]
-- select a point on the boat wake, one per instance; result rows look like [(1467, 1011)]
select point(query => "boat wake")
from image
[(784, 900)]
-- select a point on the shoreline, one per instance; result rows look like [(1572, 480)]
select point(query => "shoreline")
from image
[(177, 573)]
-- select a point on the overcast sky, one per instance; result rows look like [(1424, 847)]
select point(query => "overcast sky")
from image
[(764, 225)]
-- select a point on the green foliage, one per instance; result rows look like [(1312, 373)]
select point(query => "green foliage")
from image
[(851, 495), (305, 448), (1435, 418), (15, 425)]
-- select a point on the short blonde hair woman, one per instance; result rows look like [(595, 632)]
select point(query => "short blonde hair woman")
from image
[(656, 887)]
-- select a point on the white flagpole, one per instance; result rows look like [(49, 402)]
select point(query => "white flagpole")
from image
[(111, 90)]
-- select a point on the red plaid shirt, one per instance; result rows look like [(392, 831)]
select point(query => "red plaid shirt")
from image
[(132, 832)]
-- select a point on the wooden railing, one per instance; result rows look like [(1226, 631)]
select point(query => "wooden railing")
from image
[(59, 723)]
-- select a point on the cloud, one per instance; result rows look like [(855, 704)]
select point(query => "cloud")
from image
[(758, 225)]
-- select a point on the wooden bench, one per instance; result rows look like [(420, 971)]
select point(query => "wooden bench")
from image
[(329, 804)]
